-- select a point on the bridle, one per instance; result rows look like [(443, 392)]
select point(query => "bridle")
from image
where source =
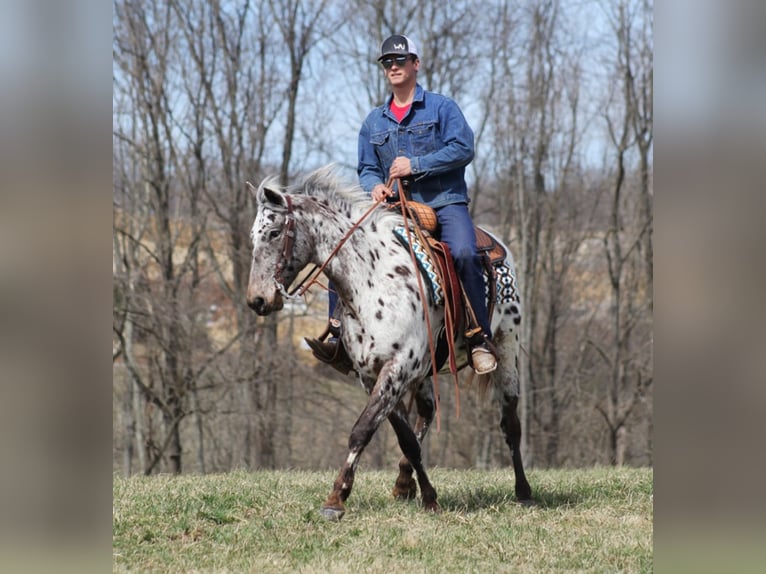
[(286, 254)]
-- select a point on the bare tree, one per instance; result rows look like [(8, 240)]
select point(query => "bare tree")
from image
[(630, 221), (229, 79), (211, 94), (146, 52)]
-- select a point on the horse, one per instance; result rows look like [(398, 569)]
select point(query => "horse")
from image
[(385, 331)]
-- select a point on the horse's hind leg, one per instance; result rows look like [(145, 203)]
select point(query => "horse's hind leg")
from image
[(506, 383), (405, 487), (511, 426)]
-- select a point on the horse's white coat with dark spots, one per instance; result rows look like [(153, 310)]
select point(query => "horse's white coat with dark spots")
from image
[(384, 327)]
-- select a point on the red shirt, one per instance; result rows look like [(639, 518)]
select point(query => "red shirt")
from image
[(399, 112)]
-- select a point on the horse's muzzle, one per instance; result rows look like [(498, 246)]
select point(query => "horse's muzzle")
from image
[(258, 304), (262, 307)]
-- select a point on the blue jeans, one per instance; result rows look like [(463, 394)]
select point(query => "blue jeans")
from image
[(456, 229), (332, 297)]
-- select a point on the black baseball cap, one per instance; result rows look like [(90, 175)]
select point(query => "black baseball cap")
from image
[(398, 45)]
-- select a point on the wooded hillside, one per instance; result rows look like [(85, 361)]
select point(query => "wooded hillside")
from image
[(209, 95)]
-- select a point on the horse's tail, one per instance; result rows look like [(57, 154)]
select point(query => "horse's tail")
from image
[(483, 383)]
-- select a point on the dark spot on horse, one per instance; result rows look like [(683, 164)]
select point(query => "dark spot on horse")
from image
[(377, 364), (369, 284), (379, 315), (514, 308), (377, 254), (412, 353), (381, 303), (390, 275), (516, 320), (359, 338), (507, 312), (414, 307), (396, 346), (373, 227), (401, 270), (271, 216), (416, 364)]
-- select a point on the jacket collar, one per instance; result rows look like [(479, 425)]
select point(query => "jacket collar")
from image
[(418, 97)]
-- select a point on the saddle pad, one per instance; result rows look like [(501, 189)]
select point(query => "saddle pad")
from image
[(505, 281), (425, 264), (505, 276)]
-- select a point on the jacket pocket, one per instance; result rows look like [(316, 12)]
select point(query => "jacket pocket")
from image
[(423, 137), (381, 143)]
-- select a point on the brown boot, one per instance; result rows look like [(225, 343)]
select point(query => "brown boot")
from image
[(483, 359)]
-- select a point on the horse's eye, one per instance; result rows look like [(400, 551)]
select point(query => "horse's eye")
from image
[(274, 233)]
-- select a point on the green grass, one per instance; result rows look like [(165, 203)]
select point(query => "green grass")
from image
[(594, 520)]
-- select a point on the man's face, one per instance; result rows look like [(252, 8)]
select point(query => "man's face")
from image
[(400, 70)]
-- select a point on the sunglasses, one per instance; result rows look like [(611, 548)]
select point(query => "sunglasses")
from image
[(398, 60)]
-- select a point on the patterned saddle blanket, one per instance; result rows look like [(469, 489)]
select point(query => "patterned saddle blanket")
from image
[(499, 278)]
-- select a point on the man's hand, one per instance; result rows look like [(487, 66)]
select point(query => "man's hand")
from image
[(380, 192), (401, 167)]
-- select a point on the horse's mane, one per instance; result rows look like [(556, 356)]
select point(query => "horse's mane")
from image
[(328, 184)]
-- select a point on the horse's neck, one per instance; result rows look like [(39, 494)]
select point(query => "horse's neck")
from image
[(350, 257)]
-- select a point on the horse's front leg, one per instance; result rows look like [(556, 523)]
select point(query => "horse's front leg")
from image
[(412, 455), (384, 396)]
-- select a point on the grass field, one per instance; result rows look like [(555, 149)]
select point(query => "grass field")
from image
[(594, 520)]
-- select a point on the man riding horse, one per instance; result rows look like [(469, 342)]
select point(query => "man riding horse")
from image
[(423, 139)]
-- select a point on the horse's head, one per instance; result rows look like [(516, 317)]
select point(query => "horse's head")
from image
[(274, 263), (290, 229)]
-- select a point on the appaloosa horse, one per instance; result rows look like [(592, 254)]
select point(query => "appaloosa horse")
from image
[(384, 328)]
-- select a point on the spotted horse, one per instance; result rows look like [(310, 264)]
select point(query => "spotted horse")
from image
[(385, 331)]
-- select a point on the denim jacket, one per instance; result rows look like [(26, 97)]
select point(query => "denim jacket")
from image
[(434, 135)]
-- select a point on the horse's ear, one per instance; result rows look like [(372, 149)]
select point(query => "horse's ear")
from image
[(269, 194)]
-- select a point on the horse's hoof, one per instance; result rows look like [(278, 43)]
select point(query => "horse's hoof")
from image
[(332, 514), (432, 507), (405, 493), (526, 501)]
